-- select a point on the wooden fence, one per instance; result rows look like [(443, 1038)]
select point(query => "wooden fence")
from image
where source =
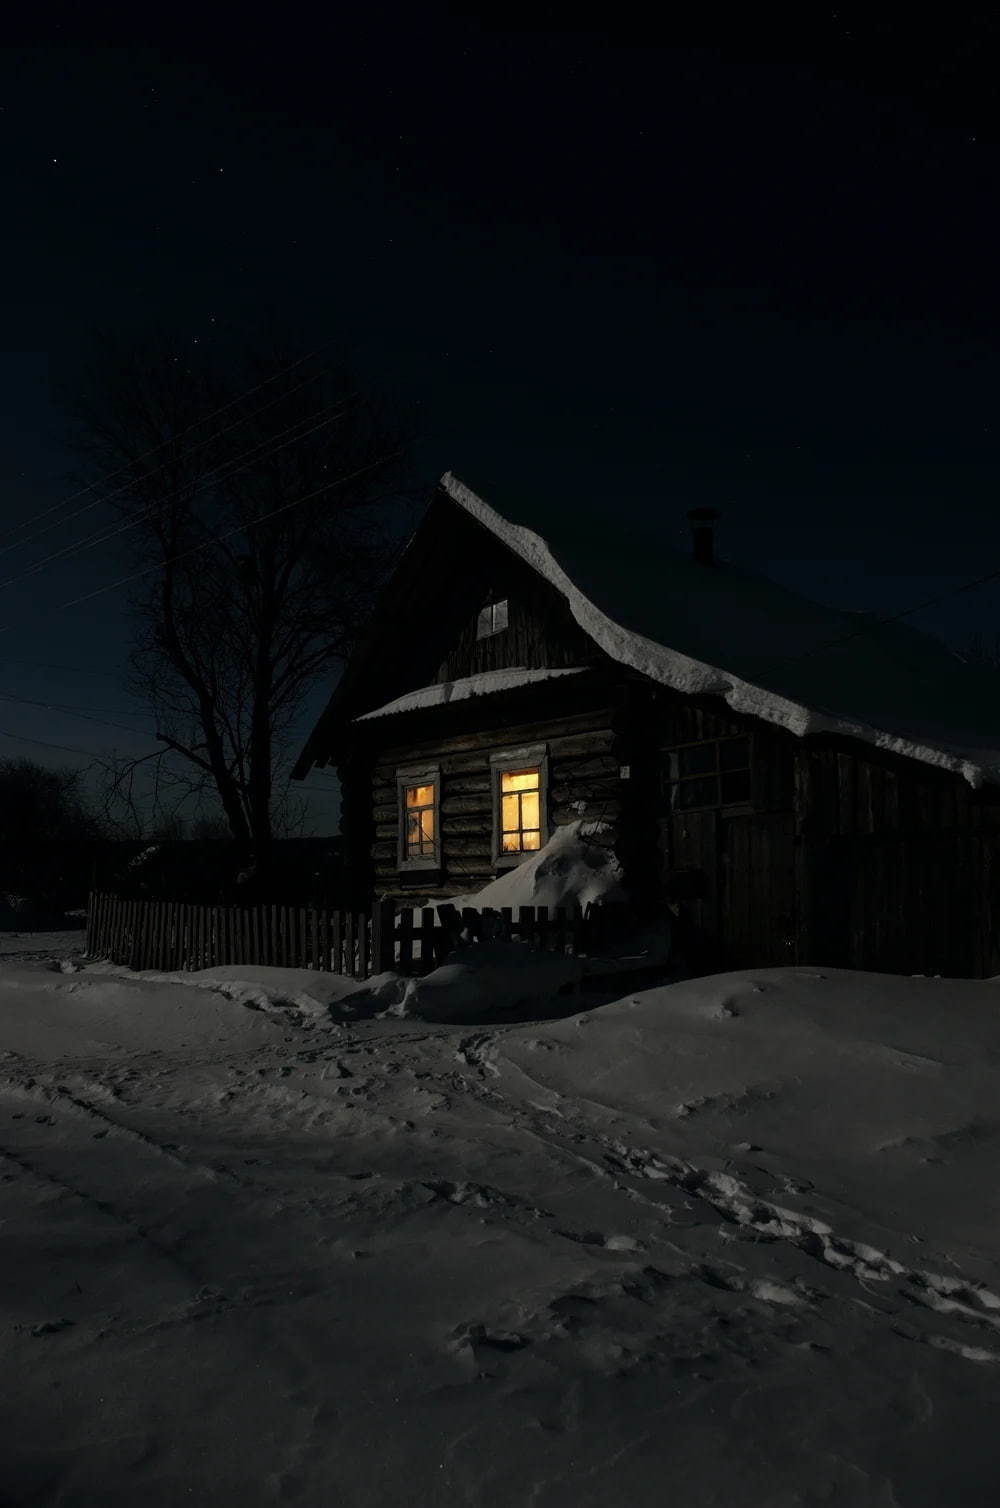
[(169, 935)]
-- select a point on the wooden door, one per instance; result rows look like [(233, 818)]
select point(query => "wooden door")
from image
[(757, 903)]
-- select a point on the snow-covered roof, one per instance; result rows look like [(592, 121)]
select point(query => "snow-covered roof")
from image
[(764, 649), (486, 683)]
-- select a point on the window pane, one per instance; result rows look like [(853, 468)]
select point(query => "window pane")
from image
[(484, 623), (698, 792), (427, 824), (499, 615), (531, 840), (699, 759), (735, 786), (420, 795), (511, 843), (519, 780), (734, 753), (509, 814), (529, 809)]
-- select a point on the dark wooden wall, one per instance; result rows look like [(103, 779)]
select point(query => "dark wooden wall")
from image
[(848, 856), (897, 866), (582, 768), (541, 630)]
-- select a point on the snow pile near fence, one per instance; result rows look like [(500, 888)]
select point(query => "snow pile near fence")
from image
[(480, 982), (571, 870), (311, 992)]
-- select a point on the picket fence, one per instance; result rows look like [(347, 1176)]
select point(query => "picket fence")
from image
[(170, 936)]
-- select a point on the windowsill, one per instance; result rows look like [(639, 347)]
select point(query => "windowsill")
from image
[(418, 866)]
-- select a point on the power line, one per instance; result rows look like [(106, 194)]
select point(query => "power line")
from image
[(208, 544), (25, 701), (214, 414), (69, 669), (220, 473), (42, 743), (184, 455)]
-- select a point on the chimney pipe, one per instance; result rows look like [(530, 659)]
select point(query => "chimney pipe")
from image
[(702, 544)]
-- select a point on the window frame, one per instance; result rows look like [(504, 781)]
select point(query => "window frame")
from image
[(492, 607), (672, 786), (534, 756), (407, 777)]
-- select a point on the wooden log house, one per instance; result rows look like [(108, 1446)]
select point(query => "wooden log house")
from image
[(801, 785)]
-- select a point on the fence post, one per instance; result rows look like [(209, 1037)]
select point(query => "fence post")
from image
[(427, 939), (350, 932), (383, 941), (526, 924), (87, 949), (406, 940)]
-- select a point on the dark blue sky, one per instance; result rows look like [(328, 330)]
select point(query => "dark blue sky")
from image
[(612, 275)]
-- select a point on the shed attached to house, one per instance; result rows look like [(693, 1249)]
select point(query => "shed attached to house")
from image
[(807, 786)]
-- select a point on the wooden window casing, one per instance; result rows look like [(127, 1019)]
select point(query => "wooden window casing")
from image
[(418, 791), (708, 775), (520, 805), (493, 619)]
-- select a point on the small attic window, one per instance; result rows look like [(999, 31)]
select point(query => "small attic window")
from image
[(492, 619)]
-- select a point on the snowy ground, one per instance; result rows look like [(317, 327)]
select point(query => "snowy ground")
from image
[(732, 1241)]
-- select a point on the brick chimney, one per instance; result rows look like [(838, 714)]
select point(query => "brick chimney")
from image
[(702, 543)]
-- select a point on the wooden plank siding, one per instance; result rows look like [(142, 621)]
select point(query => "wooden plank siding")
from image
[(582, 769)]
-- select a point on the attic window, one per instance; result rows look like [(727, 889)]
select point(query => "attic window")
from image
[(492, 619), (712, 774)]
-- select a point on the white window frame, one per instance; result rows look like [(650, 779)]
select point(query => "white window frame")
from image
[(488, 615), (534, 756), (407, 776)]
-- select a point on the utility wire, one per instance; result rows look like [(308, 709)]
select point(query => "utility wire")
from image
[(214, 414), (74, 712), (220, 473), (208, 544)]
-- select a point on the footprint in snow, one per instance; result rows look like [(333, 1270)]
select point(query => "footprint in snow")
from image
[(597, 1238)]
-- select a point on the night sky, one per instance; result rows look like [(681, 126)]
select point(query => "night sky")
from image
[(610, 274)]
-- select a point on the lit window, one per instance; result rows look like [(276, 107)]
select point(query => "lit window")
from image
[(492, 619), (520, 811), (709, 774), (419, 815)]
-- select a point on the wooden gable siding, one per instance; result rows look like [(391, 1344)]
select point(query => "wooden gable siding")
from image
[(541, 630), (424, 628)]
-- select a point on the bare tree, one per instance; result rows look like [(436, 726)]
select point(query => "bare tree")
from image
[(257, 499), (983, 651)]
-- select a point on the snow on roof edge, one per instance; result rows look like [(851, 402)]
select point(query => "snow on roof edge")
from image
[(486, 683), (694, 677)]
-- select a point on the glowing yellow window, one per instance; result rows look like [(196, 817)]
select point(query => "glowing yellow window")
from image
[(419, 821), (520, 811)]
